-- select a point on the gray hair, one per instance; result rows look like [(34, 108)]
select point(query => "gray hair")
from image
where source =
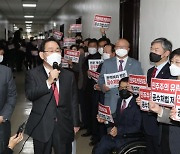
[(166, 44)]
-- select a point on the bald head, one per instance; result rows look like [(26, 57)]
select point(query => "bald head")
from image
[(122, 44)]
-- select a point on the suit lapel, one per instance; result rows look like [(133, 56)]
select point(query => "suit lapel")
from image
[(42, 73), (114, 63), (163, 71), (128, 64)]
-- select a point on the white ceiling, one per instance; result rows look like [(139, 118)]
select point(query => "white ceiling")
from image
[(14, 12)]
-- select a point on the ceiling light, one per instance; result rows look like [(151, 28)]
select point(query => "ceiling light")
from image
[(28, 22), (28, 25), (29, 5), (28, 16), (28, 30)]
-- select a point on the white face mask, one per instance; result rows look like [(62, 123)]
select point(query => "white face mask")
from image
[(121, 52), (1, 58), (92, 51), (105, 56), (100, 50), (54, 57), (174, 70)]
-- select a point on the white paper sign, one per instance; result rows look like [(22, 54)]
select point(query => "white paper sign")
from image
[(112, 80)]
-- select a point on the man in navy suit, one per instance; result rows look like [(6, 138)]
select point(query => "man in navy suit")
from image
[(155, 136), (127, 120)]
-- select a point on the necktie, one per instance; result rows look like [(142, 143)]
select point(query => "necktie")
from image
[(154, 72), (120, 65), (56, 93), (123, 105)]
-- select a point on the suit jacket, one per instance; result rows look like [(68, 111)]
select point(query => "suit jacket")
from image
[(110, 66), (7, 92), (129, 121), (8, 151), (150, 123), (7, 103), (45, 113), (174, 131)]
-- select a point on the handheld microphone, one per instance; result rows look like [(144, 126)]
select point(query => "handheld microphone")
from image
[(56, 66)]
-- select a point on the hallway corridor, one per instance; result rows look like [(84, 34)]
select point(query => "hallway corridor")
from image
[(21, 112)]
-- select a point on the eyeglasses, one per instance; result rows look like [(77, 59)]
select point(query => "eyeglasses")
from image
[(57, 51)]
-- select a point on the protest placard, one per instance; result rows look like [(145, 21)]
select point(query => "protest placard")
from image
[(76, 28), (94, 63), (11, 46), (69, 41), (144, 94), (102, 21), (136, 82), (104, 112), (34, 53), (64, 63), (112, 80), (94, 75), (163, 91), (72, 55), (57, 34), (177, 106)]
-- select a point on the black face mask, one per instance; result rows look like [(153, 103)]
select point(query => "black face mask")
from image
[(124, 93), (154, 57)]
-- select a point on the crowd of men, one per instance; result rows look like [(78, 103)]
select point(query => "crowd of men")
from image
[(55, 120)]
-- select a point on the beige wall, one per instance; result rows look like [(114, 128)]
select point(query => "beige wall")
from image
[(158, 18), (86, 9)]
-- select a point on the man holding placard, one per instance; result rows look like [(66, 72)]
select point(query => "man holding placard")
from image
[(121, 64), (127, 120), (160, 50), (164, 114)]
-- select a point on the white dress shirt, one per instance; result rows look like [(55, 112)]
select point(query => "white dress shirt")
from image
[(49, 86), (123, 64)]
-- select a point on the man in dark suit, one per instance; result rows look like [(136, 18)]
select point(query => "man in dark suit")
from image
[(127, 120), (160, 50), (54, 117), (93, 54), (7, 104)]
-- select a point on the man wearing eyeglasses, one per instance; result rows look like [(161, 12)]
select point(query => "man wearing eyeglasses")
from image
[(54, 118)]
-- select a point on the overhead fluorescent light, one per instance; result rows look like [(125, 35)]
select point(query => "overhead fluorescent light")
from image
[(29, 5), (28, 22), (27, 25), (28, 30), (28, 16)]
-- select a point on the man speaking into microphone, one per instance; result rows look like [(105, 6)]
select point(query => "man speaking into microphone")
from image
[(54, 118)]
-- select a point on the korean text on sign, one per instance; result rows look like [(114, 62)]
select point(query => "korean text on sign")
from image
[(102, 21), (163, 91), (177, 106), (76, 28), (137, 81), (94, 75), (72, 55), (112, 80), (145, 94), (94, 63), (64, 63), (104, 112), (69, 41), (57, 34)]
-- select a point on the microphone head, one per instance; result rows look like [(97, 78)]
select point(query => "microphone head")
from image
[(56, 66)]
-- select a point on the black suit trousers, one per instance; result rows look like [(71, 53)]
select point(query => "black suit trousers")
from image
[(5, 131), (54, 142)]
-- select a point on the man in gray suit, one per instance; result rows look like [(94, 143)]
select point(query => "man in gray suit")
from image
[(7, 104), (120, 62)]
